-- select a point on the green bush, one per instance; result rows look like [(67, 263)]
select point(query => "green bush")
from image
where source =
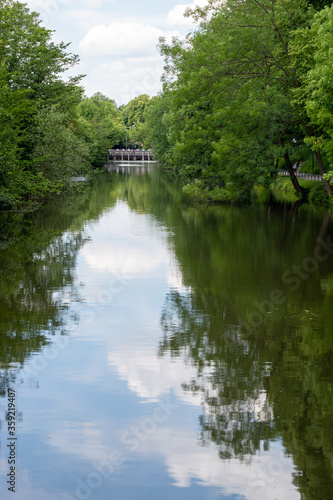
[(7, 200), (318, 195)]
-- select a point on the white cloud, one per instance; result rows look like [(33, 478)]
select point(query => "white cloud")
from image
[(122, 39), (176, 15), (86, 18), (117, 47), (92, 4), (125, 79)]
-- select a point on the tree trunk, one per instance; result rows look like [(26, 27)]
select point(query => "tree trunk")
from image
[(320, 163), (324, 226), (293, 177)]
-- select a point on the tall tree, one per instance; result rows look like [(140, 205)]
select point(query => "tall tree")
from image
[(31, 85), (311, 49), (101, 124), (32, 59), (134, 116), (232, 81)]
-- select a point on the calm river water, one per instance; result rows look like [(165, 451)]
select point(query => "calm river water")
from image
[(154, 350)]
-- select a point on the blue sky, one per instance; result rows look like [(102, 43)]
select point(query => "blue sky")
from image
[(116, 40)]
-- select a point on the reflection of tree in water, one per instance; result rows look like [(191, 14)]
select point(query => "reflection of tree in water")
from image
[(31, 302), (243, 377), (284, 363), (38, 254), (274, 380), (32, 309), (231, 380)]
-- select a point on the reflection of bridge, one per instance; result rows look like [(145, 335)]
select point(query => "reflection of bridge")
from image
[(129, 155), (131, 169)]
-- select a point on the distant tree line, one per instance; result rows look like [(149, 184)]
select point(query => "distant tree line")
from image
[(49, 131), (245, 94)]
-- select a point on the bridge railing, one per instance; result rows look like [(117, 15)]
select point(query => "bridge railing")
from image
[(129, 155), (311, 177)]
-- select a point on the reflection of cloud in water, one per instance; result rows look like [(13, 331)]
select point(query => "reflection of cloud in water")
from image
[(128, 243), (150, 377), (82, 439), (175, 279), (269, 476), (118, 260)]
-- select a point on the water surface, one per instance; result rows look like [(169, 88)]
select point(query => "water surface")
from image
[(159, 350)]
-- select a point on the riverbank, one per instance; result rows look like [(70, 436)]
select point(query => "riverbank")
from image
[(281, 188), (316, 194), (36, 199)]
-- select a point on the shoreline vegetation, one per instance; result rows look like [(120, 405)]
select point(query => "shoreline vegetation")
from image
[(245, 94)]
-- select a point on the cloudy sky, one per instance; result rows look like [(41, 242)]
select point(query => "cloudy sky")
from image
[(116, 40)]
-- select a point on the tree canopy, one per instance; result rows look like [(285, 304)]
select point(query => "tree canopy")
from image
[(244, 95), (49, 131), (134, 116)]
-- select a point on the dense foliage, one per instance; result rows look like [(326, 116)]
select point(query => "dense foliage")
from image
[(102, 126), (245, 94), (49, 132), (134, 116)]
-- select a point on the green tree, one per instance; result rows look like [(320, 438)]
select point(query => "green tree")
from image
[(134, 116), (133, 112), (311, 49), (101, 124), (320, 4), (31, 87), (31, 58), (12, 110), (59, 151), (231, 119), (157, 129)]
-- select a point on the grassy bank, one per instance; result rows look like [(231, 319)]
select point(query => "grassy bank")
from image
[(282, 188)]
